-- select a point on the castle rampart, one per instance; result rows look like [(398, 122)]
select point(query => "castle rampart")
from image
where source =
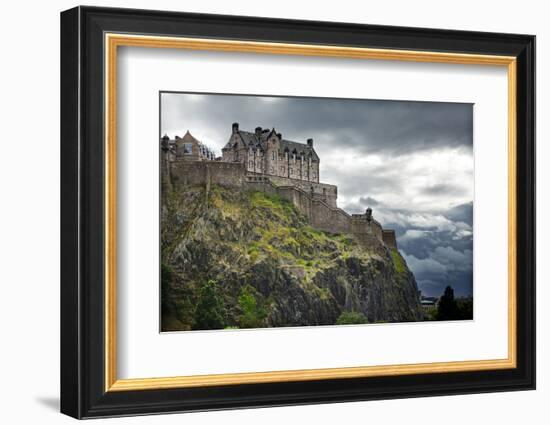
[(388, 236), (322, 215), (321, 191), (213, 172)]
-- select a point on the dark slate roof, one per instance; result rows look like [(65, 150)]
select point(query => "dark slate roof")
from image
[(249, 138)]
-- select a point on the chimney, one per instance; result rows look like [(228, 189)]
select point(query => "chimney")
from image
[(235, 127), (280, 136), (258, 131), (310, 142)]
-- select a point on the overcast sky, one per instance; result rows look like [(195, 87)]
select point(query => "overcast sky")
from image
[(411, 162)]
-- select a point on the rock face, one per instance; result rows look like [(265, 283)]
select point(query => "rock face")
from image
[(269, 267)]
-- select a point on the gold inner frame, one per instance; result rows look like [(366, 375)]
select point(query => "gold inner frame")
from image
[(113, 41)]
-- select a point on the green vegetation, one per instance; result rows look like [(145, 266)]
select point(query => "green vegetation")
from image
[(465, 308), (449, 308), (272, 202), (351, 318), (210, 312), (222, 252), (398, 262), (253, 315)]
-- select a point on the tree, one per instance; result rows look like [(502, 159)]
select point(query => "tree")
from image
[(465, 308), (210, 310), (447, 308), (253, 315)]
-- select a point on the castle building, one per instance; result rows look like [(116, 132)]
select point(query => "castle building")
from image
[(263, 160), (186, 148), (265, 152)]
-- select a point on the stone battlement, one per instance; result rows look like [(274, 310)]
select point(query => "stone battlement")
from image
[(317, 201)]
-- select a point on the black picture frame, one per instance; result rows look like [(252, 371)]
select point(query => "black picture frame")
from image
[(83, 392)]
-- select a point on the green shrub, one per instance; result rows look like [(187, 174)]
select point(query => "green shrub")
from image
[(253, 315), (210, 310), (351, 318)]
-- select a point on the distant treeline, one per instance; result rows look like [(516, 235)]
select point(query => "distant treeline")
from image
[(451, 308)]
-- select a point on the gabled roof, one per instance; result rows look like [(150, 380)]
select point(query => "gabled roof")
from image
[(251, 139), (188, 138)]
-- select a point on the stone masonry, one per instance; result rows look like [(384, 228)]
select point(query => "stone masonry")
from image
[(264, 161)]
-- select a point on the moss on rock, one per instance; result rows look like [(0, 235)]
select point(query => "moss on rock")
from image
[(300, 275)]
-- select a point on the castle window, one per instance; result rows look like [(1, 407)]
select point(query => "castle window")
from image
[(294, 158), (187, 148), (273, 155)]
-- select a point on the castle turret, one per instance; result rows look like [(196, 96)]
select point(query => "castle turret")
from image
[(165, 143), (368, 214)]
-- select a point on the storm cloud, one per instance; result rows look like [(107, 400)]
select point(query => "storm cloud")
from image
[(411, 162)]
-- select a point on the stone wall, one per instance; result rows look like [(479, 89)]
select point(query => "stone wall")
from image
[(322, 214), (322, 191), (300, 199), (388, 236), (359, 224), (213, 172), (329, 219)]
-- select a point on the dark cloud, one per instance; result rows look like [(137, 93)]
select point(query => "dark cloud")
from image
[(438, 249), (464, 213), (412, 162), (442, 188), (368, 201), (369, 126)]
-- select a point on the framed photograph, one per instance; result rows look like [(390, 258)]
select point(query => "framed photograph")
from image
[(261, 212)]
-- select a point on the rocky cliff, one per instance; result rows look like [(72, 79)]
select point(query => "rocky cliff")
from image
[(237, 258)]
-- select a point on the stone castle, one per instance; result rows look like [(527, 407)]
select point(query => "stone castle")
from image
[(263, 160)]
